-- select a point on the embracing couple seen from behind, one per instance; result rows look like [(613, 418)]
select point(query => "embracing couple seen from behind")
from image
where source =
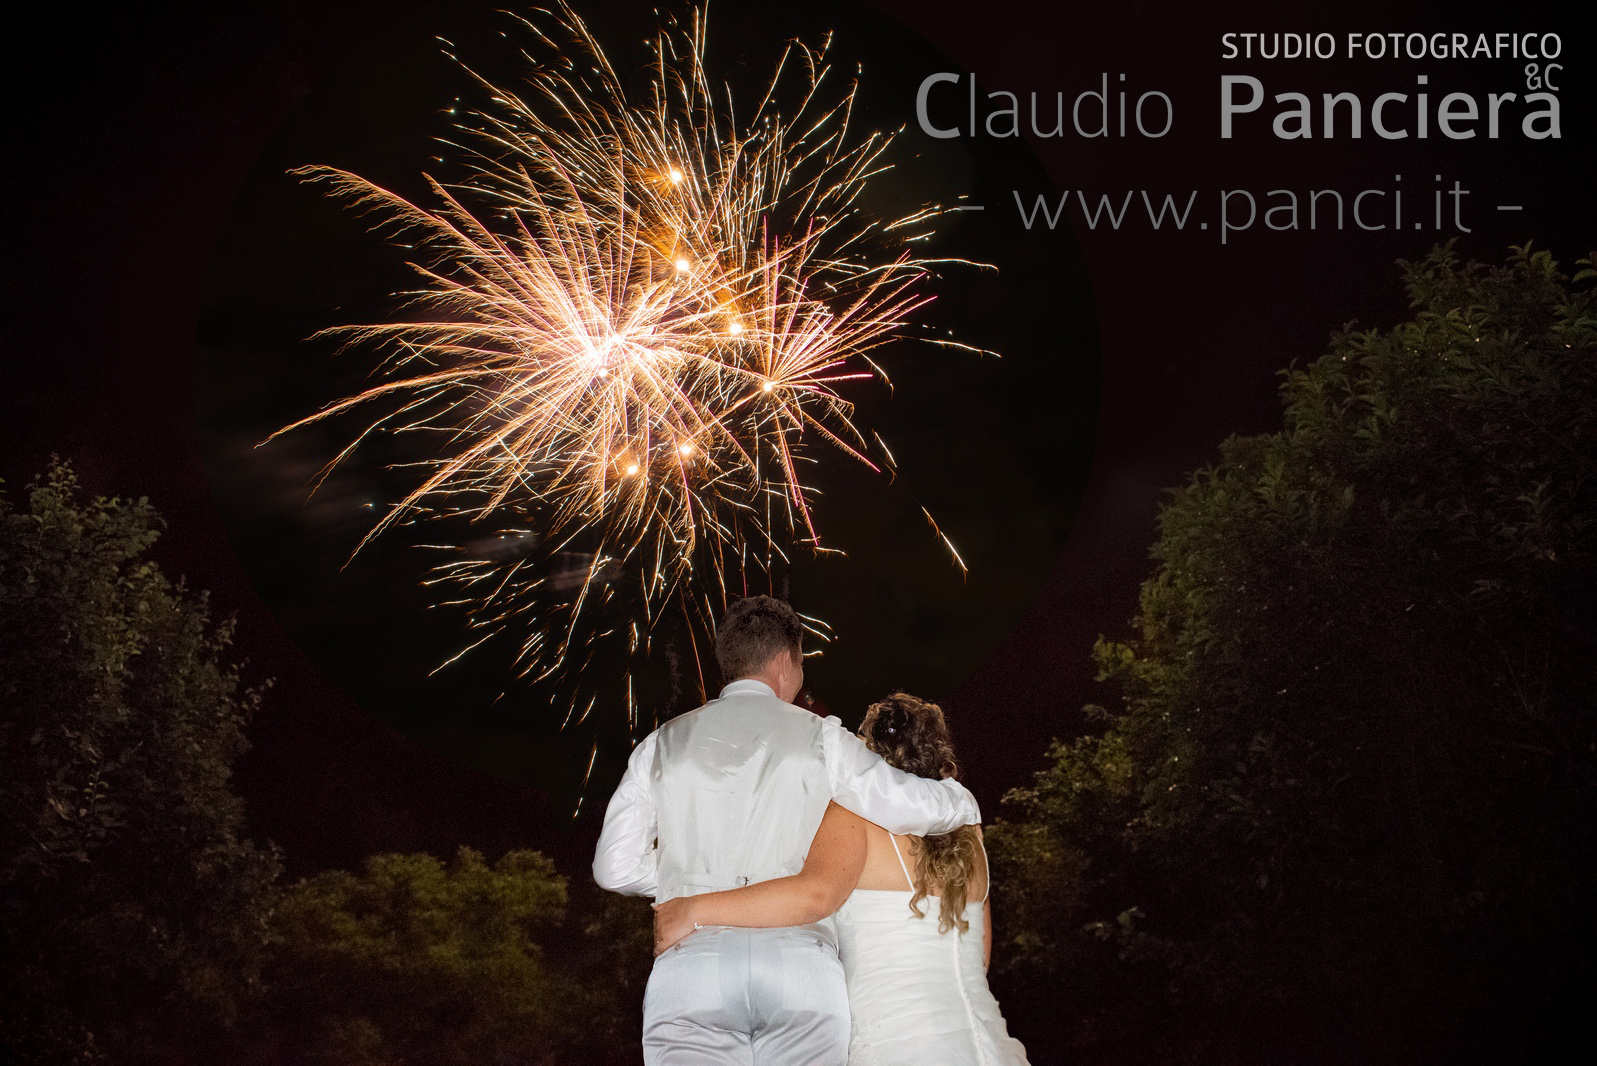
[(821, 898)]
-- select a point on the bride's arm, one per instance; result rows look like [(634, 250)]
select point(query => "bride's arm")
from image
[(987, 937), (832, 869), (987, 908)]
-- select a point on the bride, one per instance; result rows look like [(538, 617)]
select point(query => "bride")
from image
[(917, 981)]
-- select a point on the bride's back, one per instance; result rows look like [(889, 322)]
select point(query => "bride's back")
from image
[(917, 995), (917, 986), (883, 871)]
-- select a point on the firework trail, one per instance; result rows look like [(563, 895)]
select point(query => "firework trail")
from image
[(635, 318)]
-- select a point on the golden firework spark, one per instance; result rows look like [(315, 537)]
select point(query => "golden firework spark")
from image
[(638, 316)]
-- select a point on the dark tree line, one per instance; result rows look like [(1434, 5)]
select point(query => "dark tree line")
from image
[(139, 924), (132, 908), (1345, 808), (418, 961)]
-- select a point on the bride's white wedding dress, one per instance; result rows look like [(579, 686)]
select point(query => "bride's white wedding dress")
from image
[(918, 997)]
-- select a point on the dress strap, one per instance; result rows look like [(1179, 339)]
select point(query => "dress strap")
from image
[(910, 880), (985, 865)]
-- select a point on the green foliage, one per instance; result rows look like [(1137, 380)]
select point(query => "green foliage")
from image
[(1353, 776), (617, 956), (139, 923), (415, 961), (133, 908)]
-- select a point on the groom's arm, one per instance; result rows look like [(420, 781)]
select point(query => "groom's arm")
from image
[(900, 803), (625, 858)]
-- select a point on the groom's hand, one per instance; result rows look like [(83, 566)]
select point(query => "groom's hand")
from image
[(673, 921)]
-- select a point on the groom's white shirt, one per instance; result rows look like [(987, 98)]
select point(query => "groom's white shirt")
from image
[(731, 794)]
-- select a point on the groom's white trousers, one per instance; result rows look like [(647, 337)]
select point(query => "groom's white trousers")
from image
[(754, 997)]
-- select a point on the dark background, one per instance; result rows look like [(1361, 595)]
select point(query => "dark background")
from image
[(132, 135)]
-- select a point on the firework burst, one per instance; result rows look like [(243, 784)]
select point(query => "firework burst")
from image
[(636, 318)]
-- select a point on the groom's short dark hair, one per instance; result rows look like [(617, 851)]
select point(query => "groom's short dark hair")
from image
[(754, 629)]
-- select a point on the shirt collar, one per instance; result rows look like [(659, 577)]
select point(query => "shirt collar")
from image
[(747, 686)]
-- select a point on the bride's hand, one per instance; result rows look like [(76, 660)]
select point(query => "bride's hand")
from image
[(673, 920)]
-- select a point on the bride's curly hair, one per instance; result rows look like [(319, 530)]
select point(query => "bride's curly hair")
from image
[(912, 735)]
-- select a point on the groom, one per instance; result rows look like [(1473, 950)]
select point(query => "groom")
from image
[(729, 795)]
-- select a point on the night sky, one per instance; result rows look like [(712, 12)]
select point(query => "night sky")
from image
[(163, 274)]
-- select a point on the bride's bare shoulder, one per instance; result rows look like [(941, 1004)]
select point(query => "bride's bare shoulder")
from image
[(882, 867)]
